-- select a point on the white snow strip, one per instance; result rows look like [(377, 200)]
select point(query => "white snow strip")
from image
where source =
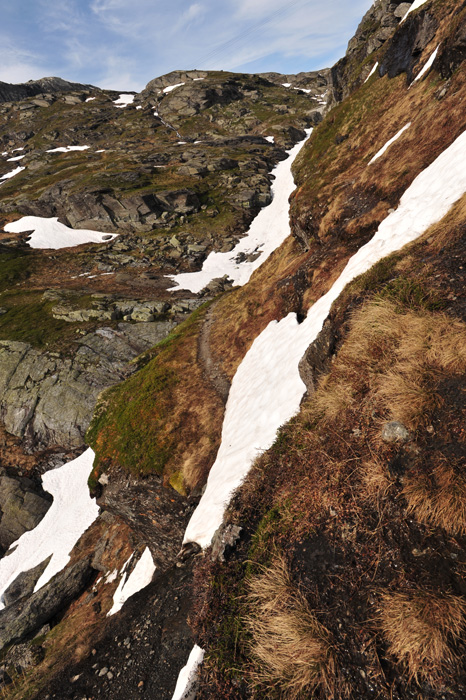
[(90, 99), (69, 516), (11, 174), (139, 107), (139, 578), (270, 139), (197, 79), (372, 72), (18, 149), (267, 389), (268, 230), (101, 150), (181, 143), (68, 149), (50, 233), (303, 90), (428, 65), (185, 685), (172, 87), (389, 143), (416, 4), (124, 100), (286, 85), (15, 158)]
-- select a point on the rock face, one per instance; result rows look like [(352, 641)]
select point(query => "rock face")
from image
[(22, 507), (13, 93), (377, 26), (407, 45), (28, 614), (48, 400)]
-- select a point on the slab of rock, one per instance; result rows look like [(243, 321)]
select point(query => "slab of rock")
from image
[(21, 508)]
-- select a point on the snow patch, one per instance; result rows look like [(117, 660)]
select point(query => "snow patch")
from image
[(15, 158), (303, 90), (416, 4), (172, 87), (124, 100), (68, 149), (89, 99), (428, 65), (69, 516), (389, 143), (51, 234), (270, 139), (267, 390), (139, 578), (268, 230), (287, 85), (11, 174), (185, 689), (372, 72)]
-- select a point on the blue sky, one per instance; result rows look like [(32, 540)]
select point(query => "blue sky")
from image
[(122, 44)]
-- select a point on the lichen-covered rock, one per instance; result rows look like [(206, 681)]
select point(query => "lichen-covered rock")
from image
[(22, 507)]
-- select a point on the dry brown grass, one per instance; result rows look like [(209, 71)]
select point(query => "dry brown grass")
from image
[(439, 499), (375, 479), (420, 628), (292, 649), (397, 357)]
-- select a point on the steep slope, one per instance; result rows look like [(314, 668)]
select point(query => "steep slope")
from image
[(338, 570)]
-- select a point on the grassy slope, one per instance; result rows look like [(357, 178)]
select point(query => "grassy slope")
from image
[(364, 539)]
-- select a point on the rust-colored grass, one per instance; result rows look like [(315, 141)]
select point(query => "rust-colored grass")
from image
[(420, 628), (292, 649)]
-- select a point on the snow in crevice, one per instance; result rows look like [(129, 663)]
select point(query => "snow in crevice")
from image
[(11, 174), (428, 65), (51, 234), (138, 579), (170, 88), (15, 158), (185, 686), (268, 231), (267, 389), (416, 4), (372, 71), (67, 149), (389, 143), (71, 513)]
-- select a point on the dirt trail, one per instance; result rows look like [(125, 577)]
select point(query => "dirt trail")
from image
[(213, 371)]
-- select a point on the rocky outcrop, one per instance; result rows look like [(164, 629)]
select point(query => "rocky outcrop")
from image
[(13, 93), (48, 400), (28, 614), (407, 45), (22, 507)]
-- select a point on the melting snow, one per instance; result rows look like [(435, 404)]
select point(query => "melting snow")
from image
[(124, 100), (185, 684), (68, 149), (11, 174), (139, 578), (89, 99), (268, 230), (69, 516), (414, 6), (15, 158), (286, 84), (172, 87), (372, 72), (389, 143), (267, 389), (427, 65), (270, 139), (303, 90), (50, 233)]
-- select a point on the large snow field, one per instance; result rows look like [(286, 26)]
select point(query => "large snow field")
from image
[(138, 579), (268, 231), (69, 516), (267, 389), (51, 234), (389, 143)]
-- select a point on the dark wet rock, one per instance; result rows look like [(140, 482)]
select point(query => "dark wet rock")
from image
[(395, 432), (28, 614), (452, 52), (407, 45), (24, 583), (22, 507), (224, 541)]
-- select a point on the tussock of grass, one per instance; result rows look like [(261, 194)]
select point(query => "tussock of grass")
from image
[(439, 499), (293, 650), (419, 628)]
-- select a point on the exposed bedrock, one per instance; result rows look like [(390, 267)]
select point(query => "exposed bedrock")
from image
[(48, 400), (22, 507)]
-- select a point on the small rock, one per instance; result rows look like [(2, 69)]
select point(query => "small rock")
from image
[(394, 431), (103, 671)]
